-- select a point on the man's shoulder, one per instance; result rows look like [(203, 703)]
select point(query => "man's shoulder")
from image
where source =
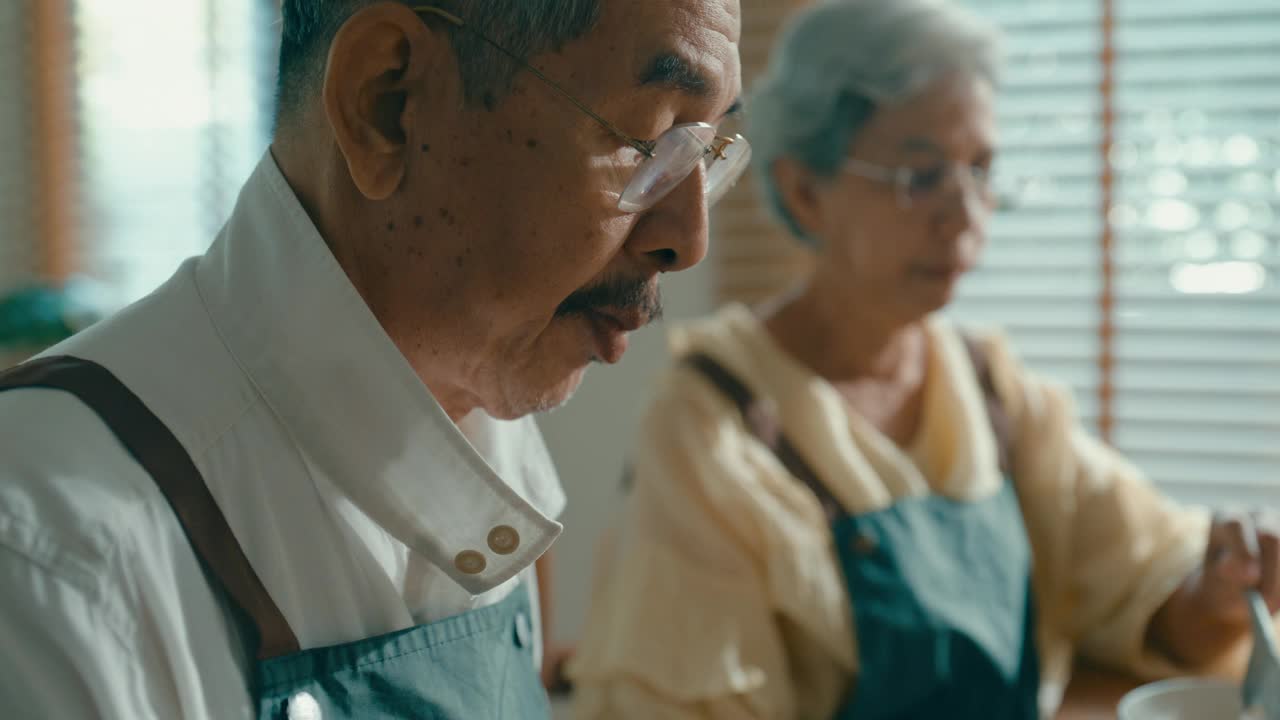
[(71, 497), (96, 571), (167, 351)]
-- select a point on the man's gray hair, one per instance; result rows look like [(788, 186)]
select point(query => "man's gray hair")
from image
[(525, 27), (839, 61)]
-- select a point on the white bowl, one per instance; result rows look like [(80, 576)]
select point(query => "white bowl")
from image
[(1183, 699)]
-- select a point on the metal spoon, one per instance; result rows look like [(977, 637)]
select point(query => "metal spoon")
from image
[(1262, 681)]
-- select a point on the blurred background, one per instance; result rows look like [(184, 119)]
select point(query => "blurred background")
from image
[(1141, 265)]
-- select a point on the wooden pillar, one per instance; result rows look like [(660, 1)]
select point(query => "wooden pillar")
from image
[(1107, 298), (54, 137)]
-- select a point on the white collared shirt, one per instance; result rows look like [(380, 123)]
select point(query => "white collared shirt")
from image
[(350, 490)]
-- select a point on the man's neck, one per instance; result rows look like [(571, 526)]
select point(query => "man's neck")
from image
[(313, 183)]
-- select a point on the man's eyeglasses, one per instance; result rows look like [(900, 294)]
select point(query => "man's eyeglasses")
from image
[(668, 160)]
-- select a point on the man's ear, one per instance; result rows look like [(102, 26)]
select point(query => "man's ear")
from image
[(378, 58)]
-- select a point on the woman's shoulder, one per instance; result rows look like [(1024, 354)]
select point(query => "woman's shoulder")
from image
[(735, 341), (1023, 392), (705, 428)]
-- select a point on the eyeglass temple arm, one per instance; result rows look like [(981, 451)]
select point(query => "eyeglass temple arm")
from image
[(645, 148)]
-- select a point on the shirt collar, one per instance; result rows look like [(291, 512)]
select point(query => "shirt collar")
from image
[(358, 414)]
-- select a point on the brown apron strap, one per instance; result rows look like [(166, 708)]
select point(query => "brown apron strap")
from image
[(155, 448), (761, 420)]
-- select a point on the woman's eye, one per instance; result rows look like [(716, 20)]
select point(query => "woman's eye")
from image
[(927, 179)]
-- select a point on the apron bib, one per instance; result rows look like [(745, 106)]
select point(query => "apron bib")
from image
[(944, 610), (941, 589)]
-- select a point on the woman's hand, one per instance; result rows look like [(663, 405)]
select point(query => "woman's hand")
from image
[(1207, 615), (1243, 555), (554, 678)]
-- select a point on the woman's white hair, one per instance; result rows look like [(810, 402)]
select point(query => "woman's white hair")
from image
[(839, 61)]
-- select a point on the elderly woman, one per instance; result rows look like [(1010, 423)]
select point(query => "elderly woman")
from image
[(845, 507)]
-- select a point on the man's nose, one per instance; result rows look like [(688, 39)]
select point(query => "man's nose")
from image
[(673, 234)]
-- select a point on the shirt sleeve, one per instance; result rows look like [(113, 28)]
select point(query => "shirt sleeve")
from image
[(92, 620), (61, 657), (1110, 547), (681, 622)]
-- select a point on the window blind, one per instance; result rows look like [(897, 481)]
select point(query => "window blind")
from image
[(1197, 220), (1041, 278)]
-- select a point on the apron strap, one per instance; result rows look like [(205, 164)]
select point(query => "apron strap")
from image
[(1001, 425), (156, 449), (761, 418)]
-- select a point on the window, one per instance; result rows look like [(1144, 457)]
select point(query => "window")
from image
[(175, 102), (1143, 266), (1042, 277), (136, 123), (1197, 376)]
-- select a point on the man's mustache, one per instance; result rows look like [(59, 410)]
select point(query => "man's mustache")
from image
[(642, 295)]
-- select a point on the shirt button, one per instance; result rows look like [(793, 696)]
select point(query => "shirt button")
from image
[(302, 706), (470, 562), (504, 539), (523, 630)]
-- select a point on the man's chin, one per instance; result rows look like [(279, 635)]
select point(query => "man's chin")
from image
[(550, 398), (558, 396)]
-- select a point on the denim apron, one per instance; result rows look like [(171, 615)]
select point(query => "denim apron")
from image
[(940, 589), (478, 665)]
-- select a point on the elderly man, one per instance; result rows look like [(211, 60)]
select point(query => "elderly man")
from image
[(300, 480)]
